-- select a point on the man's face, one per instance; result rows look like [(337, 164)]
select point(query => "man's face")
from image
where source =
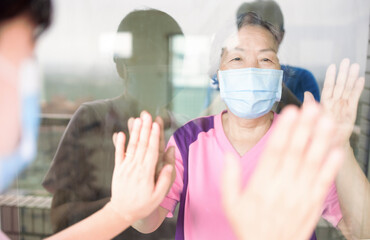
[(252, 47)]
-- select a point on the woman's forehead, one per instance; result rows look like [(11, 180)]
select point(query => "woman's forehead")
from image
[(251, 38)]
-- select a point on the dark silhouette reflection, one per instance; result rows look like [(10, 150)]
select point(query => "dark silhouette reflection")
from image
[(81, 172), (298, 80)]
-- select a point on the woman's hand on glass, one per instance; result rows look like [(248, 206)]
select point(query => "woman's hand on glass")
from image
[(135, 191), (165, 156), (340, 96)]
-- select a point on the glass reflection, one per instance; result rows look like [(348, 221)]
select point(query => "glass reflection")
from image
[(314, 34), (81, 172)]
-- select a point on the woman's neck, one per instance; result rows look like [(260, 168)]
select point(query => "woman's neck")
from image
[(243, 134)]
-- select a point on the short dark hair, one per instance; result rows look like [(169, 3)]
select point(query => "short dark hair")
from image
[(38, 10), (145, 26), (139, 22), (268, 10), (252, 18)]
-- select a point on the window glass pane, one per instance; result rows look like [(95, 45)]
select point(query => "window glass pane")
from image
[(102, 63)]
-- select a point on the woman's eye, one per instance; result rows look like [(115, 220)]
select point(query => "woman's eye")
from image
[(236, 59), (266, 60)]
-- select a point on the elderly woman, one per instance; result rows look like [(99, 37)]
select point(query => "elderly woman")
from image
[(250, 84)]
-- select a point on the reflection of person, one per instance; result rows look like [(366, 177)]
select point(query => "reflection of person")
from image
[(134, 192), (250, 83), (298, 80), (81, 171)]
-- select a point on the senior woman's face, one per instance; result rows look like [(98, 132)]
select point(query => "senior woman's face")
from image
[(252, 47)]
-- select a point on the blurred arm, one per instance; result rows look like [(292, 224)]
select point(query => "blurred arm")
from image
[(150, 223), (354, 196)]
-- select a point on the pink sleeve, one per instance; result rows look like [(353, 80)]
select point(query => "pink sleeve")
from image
[(331, 209), (173, 196)]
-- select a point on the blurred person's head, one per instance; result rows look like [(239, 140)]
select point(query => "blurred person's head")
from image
[(269, 11), (146, 71), (21, 22)]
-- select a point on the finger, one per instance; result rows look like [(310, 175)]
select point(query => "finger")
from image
[(144, 136), (329, 82), (300, 138), (231, 182), (341, 79), (308, 98), (168, 158), (279, 139), (162, 146), (352, 77), (114, 138), (322, 140), (356, 94), (163, 184), (328, 172), (316, 189), (162, 143), (311, 217), (130, 124), (134, 138), (151, 156), (120, 148)]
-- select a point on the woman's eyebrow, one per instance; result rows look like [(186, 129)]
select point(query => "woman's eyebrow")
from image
[(239, 49), (268, 50)]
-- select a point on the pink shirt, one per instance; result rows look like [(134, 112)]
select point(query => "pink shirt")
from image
[(203, 144), (3, 236)]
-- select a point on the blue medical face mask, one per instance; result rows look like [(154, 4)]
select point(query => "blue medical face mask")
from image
[(12, 164), (250, 92)]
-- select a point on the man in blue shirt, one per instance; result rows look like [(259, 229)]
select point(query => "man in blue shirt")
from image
[(298, 80)]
